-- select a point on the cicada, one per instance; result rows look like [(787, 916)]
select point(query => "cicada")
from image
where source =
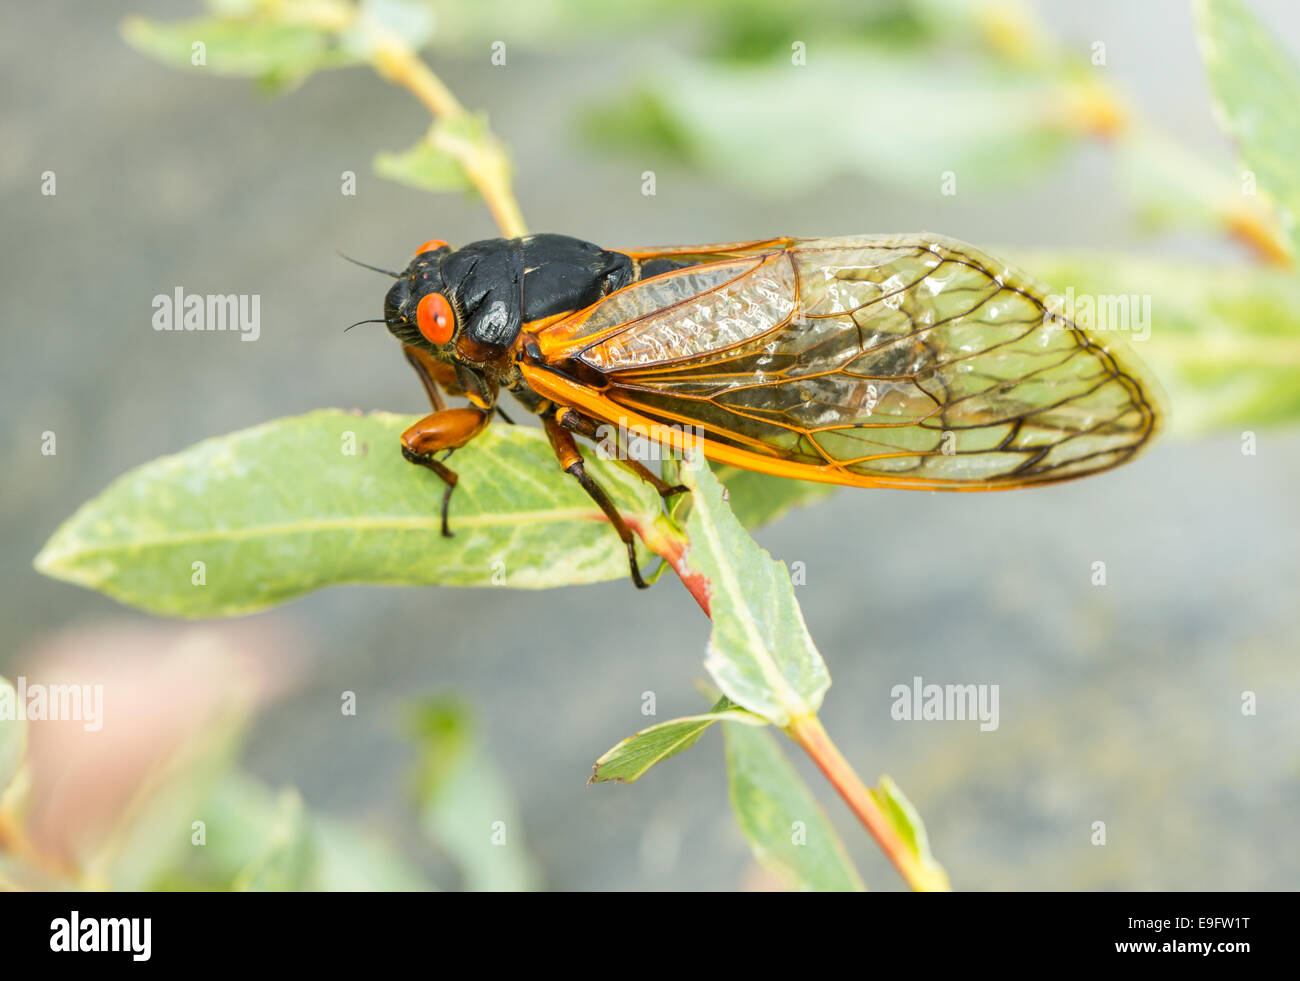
[(909, 361)]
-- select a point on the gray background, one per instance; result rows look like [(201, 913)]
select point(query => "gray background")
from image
[(1118, 704)]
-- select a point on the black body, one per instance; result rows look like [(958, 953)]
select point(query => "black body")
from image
[(497, 285)]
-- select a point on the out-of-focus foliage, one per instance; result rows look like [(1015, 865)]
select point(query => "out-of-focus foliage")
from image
[(1257, 90), (466, 807), (173, 811), (1224, 339), (13, 736), (783, 130)]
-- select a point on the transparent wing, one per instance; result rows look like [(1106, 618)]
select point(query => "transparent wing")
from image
[(912, 361)]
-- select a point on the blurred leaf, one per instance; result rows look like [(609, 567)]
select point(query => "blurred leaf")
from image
[(850, 115), (238, 815), (279, 510), (1224, 339), (785, 826), (756, 29), (152, 834), (414, 21), (467, 808), (428, 165), (1170, 186), (23, 876), (285, 863), (760, 653), (13, 735), (242, 817), (631, 758), (907, 822), (349, 859), (1257, 90), (1173, 188), (276, 54)]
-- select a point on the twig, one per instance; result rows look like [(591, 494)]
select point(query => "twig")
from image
[(809, 733), (665, 541)]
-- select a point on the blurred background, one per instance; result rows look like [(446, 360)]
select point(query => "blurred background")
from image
[(1119, 703)]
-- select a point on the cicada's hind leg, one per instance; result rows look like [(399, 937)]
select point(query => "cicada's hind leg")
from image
[(444, 428), (588, 427), (566, 451)]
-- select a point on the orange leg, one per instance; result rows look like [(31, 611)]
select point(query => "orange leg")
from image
[(438, 377), (434, 375), (583, 426), (447, 429)]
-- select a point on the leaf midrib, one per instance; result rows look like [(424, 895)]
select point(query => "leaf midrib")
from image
[(421, 523)]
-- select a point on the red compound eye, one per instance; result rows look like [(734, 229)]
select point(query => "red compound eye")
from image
[(431, 246), (434, 318)]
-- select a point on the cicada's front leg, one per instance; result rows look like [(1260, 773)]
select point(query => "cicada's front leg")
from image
[(444, 428), (447, 430)]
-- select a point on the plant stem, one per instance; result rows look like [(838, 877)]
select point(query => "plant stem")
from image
[(484, 160), (666, 541), (809, 733)]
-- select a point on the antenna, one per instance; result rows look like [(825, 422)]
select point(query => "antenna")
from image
[(366, 265)]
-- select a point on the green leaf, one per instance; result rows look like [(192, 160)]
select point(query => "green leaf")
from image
[(1257, 89), (785, 826), (1224, 340), (628, 760), (431, 165), (276, 53), (13, 735), (760, 654), (757, 498), (907, 822), (467, 808), (286, 862), (281, 509)]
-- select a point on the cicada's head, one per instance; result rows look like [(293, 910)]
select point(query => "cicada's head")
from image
[(420, 308)]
